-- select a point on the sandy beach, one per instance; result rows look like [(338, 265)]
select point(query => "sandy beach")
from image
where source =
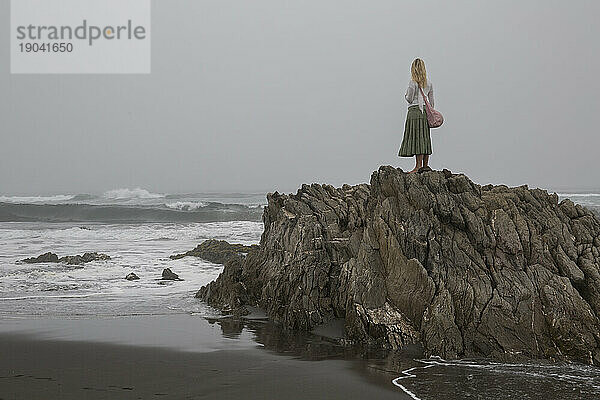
[(58, 364)]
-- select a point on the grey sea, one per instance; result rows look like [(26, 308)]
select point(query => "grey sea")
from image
[(86, 332)]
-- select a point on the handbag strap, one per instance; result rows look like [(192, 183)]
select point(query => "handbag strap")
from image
[(424, 98)]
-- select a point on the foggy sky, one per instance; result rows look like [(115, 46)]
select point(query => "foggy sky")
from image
[(266, 95)]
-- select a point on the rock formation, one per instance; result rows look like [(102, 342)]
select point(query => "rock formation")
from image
[(86, 258), (229, 292), (432, 258), (168, 275), (132, 277), (71, 260), (42, 258), (216, 251)]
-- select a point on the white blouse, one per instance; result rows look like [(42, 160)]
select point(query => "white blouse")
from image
[(413, 94)]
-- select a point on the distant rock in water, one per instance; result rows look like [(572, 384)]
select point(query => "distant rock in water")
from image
[(86, 258), (216, 251), (169, 275), (42, 258), (431, 258), (71, 260), (132, 277)]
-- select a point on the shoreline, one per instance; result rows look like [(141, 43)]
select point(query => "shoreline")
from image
[(36, 369), (183, 356), (49, 365)]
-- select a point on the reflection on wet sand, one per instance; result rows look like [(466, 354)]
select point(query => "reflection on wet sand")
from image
[(302, 345), (433, 378)]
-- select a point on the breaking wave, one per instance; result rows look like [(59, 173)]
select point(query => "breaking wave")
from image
[(186, 205), (125, 194), (578, 195), (211, 212), (36, 199)]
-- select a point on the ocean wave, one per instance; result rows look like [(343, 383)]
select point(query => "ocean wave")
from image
[(36, 199), (83, 197), (65, 296), (561, 374), (125, 194), (578, 194), (211, 212), (186, 205), (261, 206)]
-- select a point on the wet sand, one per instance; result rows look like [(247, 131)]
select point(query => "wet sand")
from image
[(185, 356), (38, 367), (34, 369)]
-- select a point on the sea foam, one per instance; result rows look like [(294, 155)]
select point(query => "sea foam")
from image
[(137, 193), (35, 199), (186, 205)]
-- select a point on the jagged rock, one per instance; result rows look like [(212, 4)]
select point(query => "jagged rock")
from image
[(132, 277), (465, 270), (228, 292), (86, 258), (71, 260), (169, 275), (216, 251), (42, 258)]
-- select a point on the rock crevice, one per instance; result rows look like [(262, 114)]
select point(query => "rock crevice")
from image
[(465, 270)]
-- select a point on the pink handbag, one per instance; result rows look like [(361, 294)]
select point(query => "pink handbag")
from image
[(435, 119)]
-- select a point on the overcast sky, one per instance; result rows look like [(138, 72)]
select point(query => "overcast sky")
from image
[(266, 95)]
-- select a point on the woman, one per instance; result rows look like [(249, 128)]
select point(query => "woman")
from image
[(417, 140)]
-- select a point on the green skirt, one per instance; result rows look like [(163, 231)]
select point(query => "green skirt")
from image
[(417, 139)]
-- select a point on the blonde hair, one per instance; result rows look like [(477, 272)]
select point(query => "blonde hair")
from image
[(418, 72)]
